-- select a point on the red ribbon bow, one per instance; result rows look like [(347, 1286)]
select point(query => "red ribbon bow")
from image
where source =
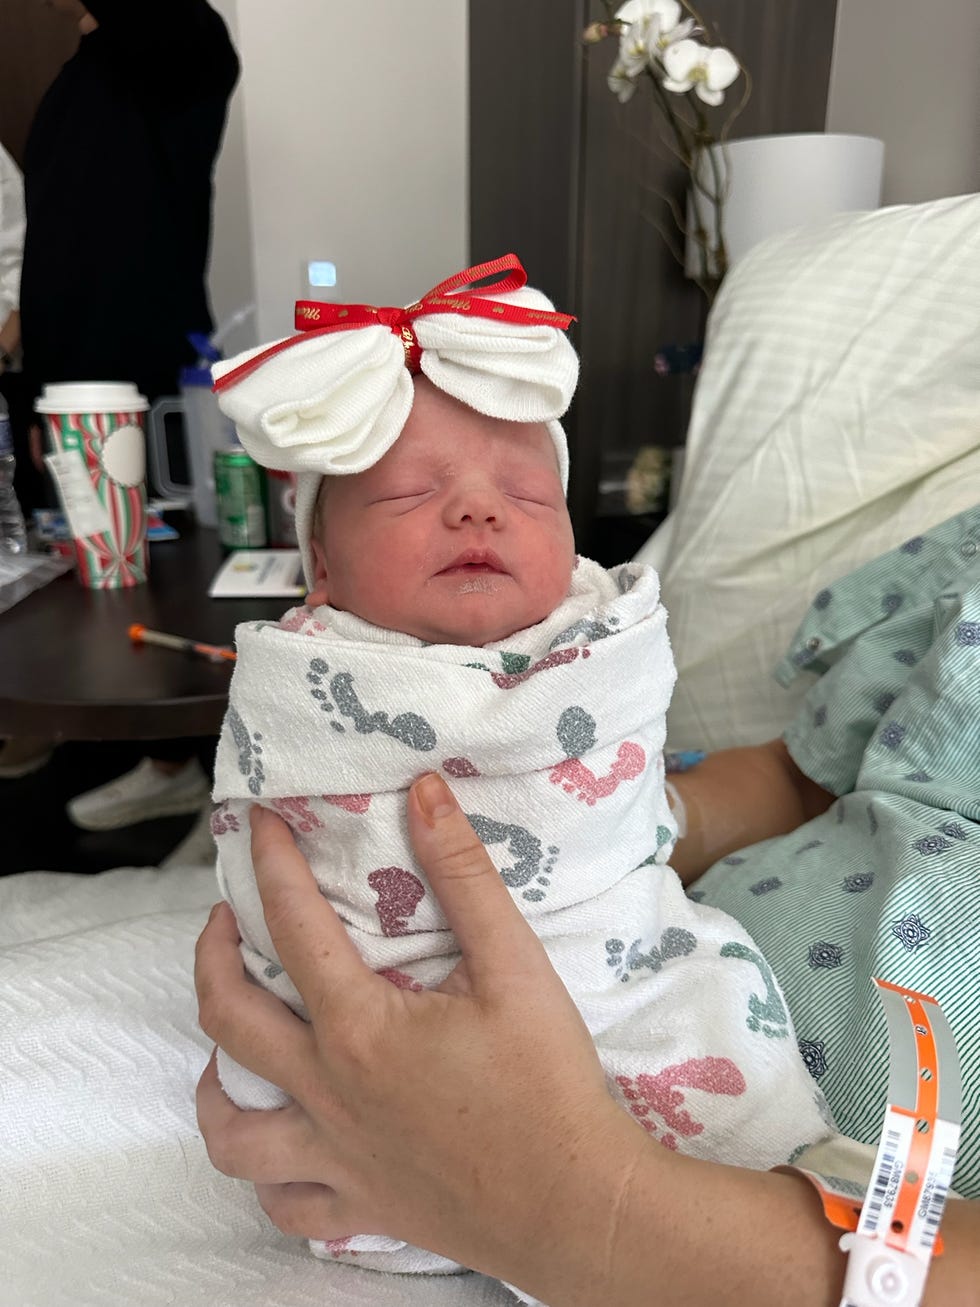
[(450, 296)]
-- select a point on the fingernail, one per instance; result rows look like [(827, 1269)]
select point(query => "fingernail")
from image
[(435, 798), (214, 912)]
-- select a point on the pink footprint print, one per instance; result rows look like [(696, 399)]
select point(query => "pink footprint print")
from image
[(399, 894), (401, 979), (356, 803), (301, 619), (223, 821), (661, 1094), (575, 778), (559, 658), (296, 812), (338, 1247)]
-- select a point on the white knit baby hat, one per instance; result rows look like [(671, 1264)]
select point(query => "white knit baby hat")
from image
[(333, 399)]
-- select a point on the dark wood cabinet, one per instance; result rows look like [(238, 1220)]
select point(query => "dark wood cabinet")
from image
[(574, 183)]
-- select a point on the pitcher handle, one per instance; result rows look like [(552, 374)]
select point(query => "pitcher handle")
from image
[(156, 444)]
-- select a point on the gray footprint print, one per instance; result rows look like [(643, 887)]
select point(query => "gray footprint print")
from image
[(525, 848), (249, 748), (674, 943), (339, 696)]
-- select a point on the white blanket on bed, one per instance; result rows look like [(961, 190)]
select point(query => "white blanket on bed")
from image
[(107, 1197)]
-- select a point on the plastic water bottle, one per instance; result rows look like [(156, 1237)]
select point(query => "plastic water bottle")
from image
[(13, 536)]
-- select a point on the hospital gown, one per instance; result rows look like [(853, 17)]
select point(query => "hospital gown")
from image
[(886, 882)]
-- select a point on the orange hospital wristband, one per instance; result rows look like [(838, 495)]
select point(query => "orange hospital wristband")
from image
[(892, 1238)]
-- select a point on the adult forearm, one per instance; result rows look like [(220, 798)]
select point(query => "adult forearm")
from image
[(696, 1234), (10, 333), (738, 797)]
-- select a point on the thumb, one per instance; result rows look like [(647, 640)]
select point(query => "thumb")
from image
[(493, 936)]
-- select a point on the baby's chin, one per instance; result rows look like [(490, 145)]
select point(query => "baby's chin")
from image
[(476, 629), (478, 614)]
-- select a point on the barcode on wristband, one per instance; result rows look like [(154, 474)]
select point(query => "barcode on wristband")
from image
[(935, 1191), (889, 1168)]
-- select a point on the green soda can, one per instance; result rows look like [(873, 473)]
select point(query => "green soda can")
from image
[(240, 489)]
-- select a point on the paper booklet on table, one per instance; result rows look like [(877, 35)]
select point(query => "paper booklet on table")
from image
[(259, 573)]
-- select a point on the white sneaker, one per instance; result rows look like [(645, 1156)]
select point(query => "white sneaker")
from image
[(139, 795), (197, 848)]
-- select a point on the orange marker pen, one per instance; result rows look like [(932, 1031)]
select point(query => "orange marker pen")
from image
[(215, 652)]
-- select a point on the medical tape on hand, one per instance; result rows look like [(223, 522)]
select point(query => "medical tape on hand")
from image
[(892, 1238)]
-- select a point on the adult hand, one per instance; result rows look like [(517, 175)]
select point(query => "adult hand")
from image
[(473, 1120), (450, 1118)]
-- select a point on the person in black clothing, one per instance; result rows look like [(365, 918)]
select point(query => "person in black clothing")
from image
[(118, 189)]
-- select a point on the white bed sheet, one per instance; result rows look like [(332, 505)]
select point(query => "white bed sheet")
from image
[(106, 1194)]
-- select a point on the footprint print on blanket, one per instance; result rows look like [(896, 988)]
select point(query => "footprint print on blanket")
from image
[(592, 628), (354, 803), (400, 979), (576, 732), (407, 728), (249, 750), (768, 1014), (522, 846), (660, 1094), (335, 1247), (223, 819), (674, 943), (297, 814), (508, 680), (399, 895)]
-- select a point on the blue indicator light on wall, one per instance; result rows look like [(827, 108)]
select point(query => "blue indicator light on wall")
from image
[(321, 273)]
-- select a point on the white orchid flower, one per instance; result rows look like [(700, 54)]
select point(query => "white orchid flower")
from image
[(660, 20), (621, 84), (708, 71), (668, 11), (636, 45)]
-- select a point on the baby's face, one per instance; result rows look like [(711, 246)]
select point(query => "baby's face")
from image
[(459, 535)]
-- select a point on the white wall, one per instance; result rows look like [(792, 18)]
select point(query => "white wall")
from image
[(353, 149), (910, 74), (347, 136)]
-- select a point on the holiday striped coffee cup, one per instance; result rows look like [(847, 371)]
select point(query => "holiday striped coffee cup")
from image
[(98, 463)]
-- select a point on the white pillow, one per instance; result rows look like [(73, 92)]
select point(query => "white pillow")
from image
[(837, 413)]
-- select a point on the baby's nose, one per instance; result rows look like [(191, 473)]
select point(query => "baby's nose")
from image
[(478, 504)]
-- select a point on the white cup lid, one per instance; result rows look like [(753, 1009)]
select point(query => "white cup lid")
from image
[(91, 397)]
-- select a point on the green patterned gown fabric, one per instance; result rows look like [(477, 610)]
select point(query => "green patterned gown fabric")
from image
[(886, 882)]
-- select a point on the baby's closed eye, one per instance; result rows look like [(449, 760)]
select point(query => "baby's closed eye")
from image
[(535, 498), (406, 496)]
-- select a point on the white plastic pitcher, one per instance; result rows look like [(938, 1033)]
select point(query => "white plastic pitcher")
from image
[(206, 430)]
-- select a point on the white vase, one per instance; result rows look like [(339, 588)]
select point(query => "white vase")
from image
[(775, 183)]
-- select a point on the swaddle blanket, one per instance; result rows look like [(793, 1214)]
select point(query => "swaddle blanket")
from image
[(552, 741)]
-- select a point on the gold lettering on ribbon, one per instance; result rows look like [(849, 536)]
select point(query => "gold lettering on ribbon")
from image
[(342, 313), (310, 312), (409, 344)]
